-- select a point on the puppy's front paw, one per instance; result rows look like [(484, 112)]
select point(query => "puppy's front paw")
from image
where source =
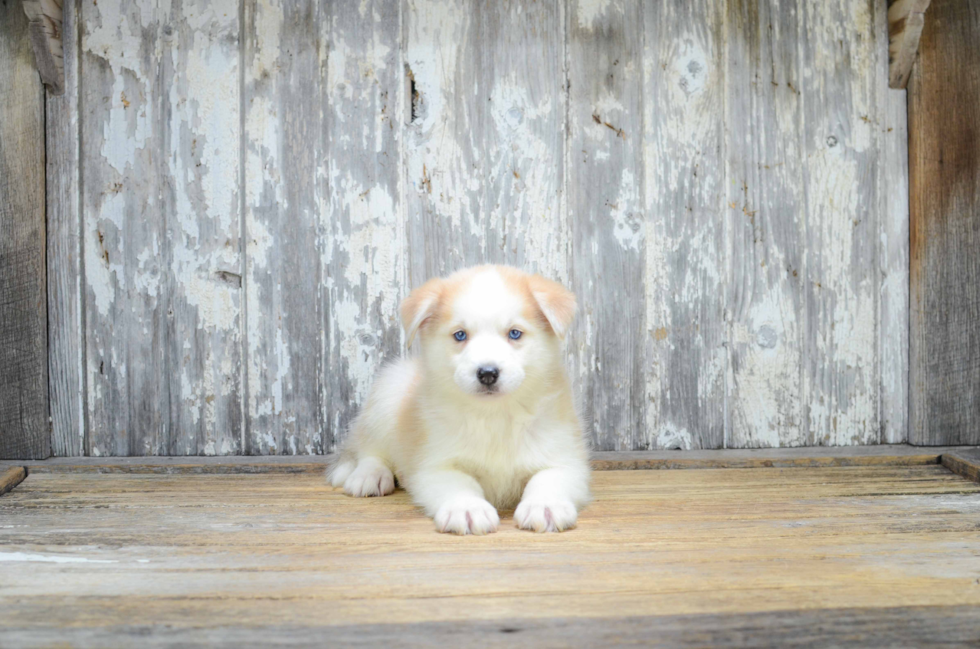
[(467, 515), (546, 516), (370, 478)]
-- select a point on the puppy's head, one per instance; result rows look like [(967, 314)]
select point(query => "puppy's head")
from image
[(489, 331)]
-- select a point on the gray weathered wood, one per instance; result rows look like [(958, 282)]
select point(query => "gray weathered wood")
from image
[(285, 51), (607, 219), (893, 251), (160, 144), (688, 243), (944, 176), (766, 209), (323, 218), (126, 301), (361, 214), (721, 184), (204, 133), (814, 457), (905, 21), (484, 148), (11, 477), (46, 29), (863, 628), (675, 558), (839, 143), (66, 362), (963, 461), (23, 303)]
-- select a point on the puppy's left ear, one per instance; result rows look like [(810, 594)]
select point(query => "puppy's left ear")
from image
[(556, 302), (419, 306)]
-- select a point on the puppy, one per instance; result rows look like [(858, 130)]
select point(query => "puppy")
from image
[(484, 418)]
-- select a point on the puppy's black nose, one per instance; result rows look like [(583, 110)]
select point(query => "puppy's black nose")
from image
[(487, 375)]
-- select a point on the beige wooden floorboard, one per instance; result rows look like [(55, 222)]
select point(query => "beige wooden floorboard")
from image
[(93, 551)]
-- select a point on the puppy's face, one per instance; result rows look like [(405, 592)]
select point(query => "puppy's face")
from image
[(489, 331)]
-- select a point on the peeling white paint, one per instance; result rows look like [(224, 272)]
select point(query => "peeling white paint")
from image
[(588, 12), (484, 161)]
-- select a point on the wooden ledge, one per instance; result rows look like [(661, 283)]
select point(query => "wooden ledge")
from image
[(962, 460)]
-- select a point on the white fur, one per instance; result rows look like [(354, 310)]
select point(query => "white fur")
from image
[(463, 452)]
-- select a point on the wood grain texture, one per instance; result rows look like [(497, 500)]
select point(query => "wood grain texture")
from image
[(606, 219), (484, 136), (688, 247), (840, 143), (46, 29), (160, 155), (905, 21), (202, 132), (125, 243), (893, 251), (766, 206), (23, 301), (963, 461), (196, 555), (284, 146), (869, 627), (66, 336), (10, 478), (261, 182), (816, 456), (944, 176), (361, 210)]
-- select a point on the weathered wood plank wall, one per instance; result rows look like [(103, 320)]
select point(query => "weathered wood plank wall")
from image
[(258, 183), (24, 431), (944, 161), (66, 374)]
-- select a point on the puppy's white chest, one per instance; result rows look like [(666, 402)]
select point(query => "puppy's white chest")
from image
[(494, 451)]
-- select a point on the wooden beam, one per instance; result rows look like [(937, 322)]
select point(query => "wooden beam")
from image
[(905, 20), (66, 360), (806, 457), (11, 477), (965, 462), (23, 298), (45, 30), (944, 202)]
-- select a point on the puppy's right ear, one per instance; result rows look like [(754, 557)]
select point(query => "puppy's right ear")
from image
[(419, 306)]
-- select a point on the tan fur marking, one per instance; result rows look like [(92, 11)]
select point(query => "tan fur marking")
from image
[(557, 303)]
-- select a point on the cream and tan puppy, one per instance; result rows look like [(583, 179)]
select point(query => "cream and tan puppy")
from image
[(484, 418)]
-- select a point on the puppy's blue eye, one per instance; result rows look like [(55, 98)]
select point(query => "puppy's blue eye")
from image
[(515, 334), (460, 335)]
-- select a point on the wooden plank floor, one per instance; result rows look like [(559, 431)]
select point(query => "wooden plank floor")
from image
[(866, 556)]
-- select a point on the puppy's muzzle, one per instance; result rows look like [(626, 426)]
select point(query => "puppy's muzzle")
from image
[(487, 375)]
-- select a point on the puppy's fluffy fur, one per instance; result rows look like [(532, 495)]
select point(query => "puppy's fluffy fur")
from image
[(463, 440)]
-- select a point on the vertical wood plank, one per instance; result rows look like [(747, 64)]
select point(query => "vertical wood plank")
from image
[(484, 138), (121, 218), (893, 243), (766, 209), (24, 431), (203, 126), (125, 301), (839, 48), (687, 243), (285, 57), (159, 101), (443, 228), (360, 204), (607, 221), (66, 362), (944, 171)]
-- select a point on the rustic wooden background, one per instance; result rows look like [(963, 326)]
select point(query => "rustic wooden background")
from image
[(240, 192)]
